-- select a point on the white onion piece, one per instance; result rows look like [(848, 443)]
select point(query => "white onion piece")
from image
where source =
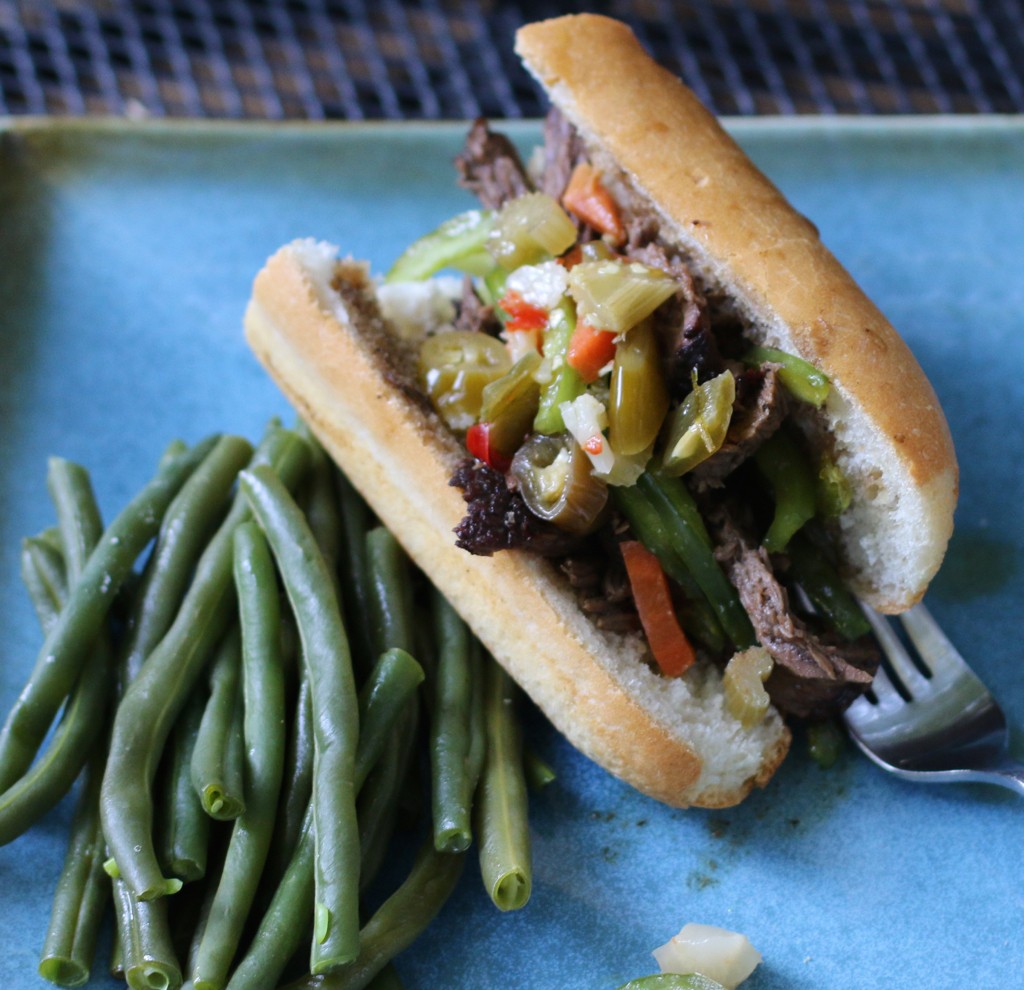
[(716, 953)]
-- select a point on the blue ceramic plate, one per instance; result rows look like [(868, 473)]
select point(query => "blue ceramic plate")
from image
[(126, 255)]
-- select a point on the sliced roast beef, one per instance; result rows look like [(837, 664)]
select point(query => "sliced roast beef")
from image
[(683, 324), (811, 677), (760, 407), (497, 517), (489, 166), (563, 151)]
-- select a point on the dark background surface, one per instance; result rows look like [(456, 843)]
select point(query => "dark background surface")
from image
[(436, 59)]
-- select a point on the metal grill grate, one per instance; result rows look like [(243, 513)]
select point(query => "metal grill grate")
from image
[(423, 59)]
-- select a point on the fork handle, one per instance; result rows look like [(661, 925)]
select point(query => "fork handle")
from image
[(1009, 774)]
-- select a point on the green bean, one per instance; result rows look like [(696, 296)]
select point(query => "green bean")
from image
[(78, 516), (335, 715), (539, 773), (82, 893), (389, 612), (451, 786), (679, 513), (380, 797), (386, 979), (42, 572), (296, 787), (69, 643), (279, 936), (154, 699), (397, 922), (501, 819), (319, 501), (284, 924), (263, 689), (147, 950), (185, 832), (356, 520), (184, 534), (216, 758), (50, 776), (392, 682)]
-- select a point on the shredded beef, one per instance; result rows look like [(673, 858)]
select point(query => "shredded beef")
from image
[(474, 315), (497, 517), (760, 407), (811, 677), (602, 589), (563, 151), (489, 166)]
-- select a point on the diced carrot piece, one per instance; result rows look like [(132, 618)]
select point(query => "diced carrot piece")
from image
[(590, 350), (670, 647), (587, 197)]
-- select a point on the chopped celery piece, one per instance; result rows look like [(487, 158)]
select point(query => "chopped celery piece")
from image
[(799, 376), (457, 243), (529, 229), (616, 295), (743, 682), (699, 424)]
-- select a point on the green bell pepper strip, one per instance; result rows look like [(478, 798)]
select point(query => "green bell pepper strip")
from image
[(791, 479), (457, 243), (565, 384), (814, 572), (803, 379)]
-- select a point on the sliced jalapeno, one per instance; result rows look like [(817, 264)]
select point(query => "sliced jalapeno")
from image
[(510, 403), (791, 479), (454, 368), (698, 425), (556, 481)]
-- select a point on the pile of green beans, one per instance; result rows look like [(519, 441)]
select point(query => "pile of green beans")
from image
[(246, 683)]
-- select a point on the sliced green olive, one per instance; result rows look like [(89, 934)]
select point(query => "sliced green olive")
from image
[(616, 295), (698, 425), (638, 398), (556, 481), (455, 367), (529, 229), (510, 403)]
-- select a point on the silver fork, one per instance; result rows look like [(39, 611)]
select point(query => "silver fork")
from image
[(938, 726)]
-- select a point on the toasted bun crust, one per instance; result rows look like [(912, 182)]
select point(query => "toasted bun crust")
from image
[(882, 419), (332, 355)]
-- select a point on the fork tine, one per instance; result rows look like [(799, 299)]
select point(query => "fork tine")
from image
[(887, 696), (896, 653), (938, 653)]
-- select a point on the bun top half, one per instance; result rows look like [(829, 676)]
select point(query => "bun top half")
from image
[(661, 147)]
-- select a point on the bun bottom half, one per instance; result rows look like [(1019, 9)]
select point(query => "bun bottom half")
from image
[(314, 324)]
